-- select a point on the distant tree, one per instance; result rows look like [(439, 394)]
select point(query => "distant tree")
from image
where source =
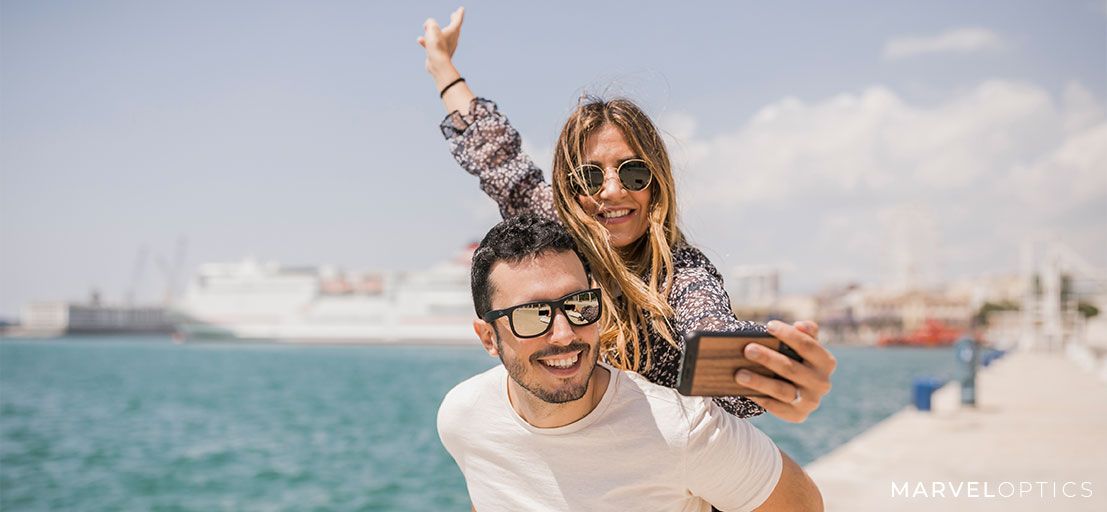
[(1087, 310)]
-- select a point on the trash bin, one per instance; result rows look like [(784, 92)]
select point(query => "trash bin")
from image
[(968, 352), (925, 387)]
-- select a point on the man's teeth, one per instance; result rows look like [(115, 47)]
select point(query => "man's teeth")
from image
[(611, 214), (563, 362)]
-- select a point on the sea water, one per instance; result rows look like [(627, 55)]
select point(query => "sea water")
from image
[(144, 424)]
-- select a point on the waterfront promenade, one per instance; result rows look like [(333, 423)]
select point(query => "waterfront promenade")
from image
[(1039, 418)]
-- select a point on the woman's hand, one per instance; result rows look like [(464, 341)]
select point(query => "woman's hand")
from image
[(793, 401), (441, 43)]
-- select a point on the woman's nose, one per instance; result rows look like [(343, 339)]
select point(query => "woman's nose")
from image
[(612, 187)]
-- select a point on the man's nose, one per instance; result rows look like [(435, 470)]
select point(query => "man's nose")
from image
[(561, 333)]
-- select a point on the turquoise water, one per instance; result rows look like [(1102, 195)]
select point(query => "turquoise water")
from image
[(142, 424)]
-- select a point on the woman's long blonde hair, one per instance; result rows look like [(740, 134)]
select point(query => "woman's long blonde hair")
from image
[(650, 257)]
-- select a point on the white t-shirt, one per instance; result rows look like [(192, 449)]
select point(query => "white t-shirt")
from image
[(644, 447)]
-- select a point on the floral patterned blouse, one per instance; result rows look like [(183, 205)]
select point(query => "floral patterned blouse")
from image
[(487, 146)]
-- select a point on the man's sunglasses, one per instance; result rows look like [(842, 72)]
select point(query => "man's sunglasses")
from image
[(634, 174), (534, 319)]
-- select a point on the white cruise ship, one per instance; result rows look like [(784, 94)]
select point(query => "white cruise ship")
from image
[(251, 300)]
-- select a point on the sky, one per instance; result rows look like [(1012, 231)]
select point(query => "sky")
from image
[(811, 137)]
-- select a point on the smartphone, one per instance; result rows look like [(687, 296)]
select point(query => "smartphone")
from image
[(712, 358)]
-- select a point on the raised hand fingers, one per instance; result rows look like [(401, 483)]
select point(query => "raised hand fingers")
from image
[(452, 32), (432, 35), (456, 19), (431, 29)]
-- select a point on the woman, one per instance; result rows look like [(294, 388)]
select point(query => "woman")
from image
[(613, 188)]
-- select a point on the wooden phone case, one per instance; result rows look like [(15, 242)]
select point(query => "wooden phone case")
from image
[(712, 358)]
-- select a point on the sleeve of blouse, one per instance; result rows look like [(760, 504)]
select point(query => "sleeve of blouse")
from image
[(700, 303), (486, 145)]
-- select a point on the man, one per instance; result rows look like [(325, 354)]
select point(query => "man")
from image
[(553, 429)]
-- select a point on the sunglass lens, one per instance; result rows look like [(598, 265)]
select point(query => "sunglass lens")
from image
[(635, 175), (531, 320), (583, 308), (590, 179)]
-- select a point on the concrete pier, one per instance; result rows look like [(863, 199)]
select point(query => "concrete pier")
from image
[(1037, 440)]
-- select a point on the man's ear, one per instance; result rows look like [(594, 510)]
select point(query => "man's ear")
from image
[(487, 336)]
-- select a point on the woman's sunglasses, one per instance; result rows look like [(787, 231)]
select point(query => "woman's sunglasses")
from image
[(534, 319), (634, 174)]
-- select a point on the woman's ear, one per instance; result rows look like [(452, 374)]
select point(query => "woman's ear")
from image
[(487, 334)]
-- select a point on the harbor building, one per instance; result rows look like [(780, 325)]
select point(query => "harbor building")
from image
[(60, 318)]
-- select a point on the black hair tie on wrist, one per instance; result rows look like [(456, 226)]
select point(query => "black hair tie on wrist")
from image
[(444, 89)]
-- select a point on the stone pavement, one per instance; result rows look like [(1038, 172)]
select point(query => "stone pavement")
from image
[(1040, 423)]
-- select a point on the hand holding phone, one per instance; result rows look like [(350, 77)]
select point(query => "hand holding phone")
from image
[(711, 360)]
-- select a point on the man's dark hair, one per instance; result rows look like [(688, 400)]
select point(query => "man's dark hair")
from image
[(513, 240)]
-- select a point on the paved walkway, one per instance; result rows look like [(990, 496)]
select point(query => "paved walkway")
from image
[(1040, 418)]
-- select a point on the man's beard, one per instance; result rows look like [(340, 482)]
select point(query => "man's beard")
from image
[(574, 391)]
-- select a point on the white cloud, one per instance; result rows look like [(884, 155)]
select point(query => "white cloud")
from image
[(873, 142), (991, 164), (1081, 108), (678, 125), (1073, 174), (959, 40)]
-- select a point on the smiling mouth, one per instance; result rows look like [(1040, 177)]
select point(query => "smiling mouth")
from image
[(616, 214), (561, 361)]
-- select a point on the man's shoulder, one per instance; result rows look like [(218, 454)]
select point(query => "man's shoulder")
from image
[(470, 392), (656, 392), (482, 382), (664, 403)]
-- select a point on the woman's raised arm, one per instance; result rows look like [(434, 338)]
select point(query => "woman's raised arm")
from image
[(480, 138)]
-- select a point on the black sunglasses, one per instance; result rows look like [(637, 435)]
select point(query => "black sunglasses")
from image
[(634, 174), (534, 319)]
